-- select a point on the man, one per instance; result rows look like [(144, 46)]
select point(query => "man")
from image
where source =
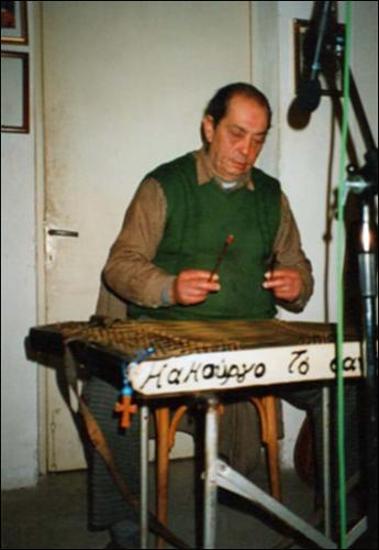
[(161, 263), (143, 264)]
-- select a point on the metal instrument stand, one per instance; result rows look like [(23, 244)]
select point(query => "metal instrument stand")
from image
[(144, 519), (210, 474), (219, 474)]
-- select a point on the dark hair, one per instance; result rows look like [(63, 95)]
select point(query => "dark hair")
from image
[(218, 105)]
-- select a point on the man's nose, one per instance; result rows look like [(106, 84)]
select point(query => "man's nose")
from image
[(246, 147), (243, 146)]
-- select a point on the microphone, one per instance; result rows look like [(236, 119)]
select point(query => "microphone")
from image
[(309, 95), (309, 90)]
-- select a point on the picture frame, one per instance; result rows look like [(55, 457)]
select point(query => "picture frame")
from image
[(300, 27), (14, 92), (14, 24)]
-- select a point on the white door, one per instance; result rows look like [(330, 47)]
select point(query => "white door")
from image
[(124, 86)]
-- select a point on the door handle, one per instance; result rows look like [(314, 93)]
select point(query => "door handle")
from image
[(62, 233)]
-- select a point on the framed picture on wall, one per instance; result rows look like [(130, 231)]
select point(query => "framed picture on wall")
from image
[(14, 27), (14, 92)]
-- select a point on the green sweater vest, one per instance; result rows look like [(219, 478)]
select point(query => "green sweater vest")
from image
[(199, 218)]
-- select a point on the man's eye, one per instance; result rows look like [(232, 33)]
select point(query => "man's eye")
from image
[(259, 140), (236, 133)]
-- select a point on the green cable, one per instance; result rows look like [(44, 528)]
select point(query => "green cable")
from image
[(340, 285)]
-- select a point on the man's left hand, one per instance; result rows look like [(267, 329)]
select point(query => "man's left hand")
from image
[(285, 283)]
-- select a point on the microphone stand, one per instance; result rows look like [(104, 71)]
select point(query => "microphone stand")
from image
[(363, 182), (367, 263), (322, 28)]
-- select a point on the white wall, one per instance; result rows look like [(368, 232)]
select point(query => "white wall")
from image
[(18, 312), (18, 300)]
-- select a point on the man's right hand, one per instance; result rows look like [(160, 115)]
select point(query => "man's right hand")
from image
[(192, 286)]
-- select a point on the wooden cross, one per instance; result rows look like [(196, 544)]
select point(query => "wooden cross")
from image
[(126, 409)]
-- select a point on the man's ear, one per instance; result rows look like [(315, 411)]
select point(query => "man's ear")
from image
[(208, 128)]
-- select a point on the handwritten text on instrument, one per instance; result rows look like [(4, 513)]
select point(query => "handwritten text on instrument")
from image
[(243, 368)]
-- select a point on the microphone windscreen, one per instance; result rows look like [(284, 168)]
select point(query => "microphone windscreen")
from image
[(309, 95)]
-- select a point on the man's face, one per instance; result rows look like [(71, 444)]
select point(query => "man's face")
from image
[(237, 140)]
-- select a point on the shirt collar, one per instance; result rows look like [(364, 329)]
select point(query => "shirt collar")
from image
[(205, 174)]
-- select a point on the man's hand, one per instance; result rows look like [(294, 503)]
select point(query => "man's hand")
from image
[(192, 286), (286, 284)]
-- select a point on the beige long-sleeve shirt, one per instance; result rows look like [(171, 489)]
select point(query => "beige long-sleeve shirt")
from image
[(130, 271)]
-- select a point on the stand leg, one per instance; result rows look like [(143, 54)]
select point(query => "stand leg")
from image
[(234, 482), (326, 459), (370, 397), (144, 412), (210, 481)]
